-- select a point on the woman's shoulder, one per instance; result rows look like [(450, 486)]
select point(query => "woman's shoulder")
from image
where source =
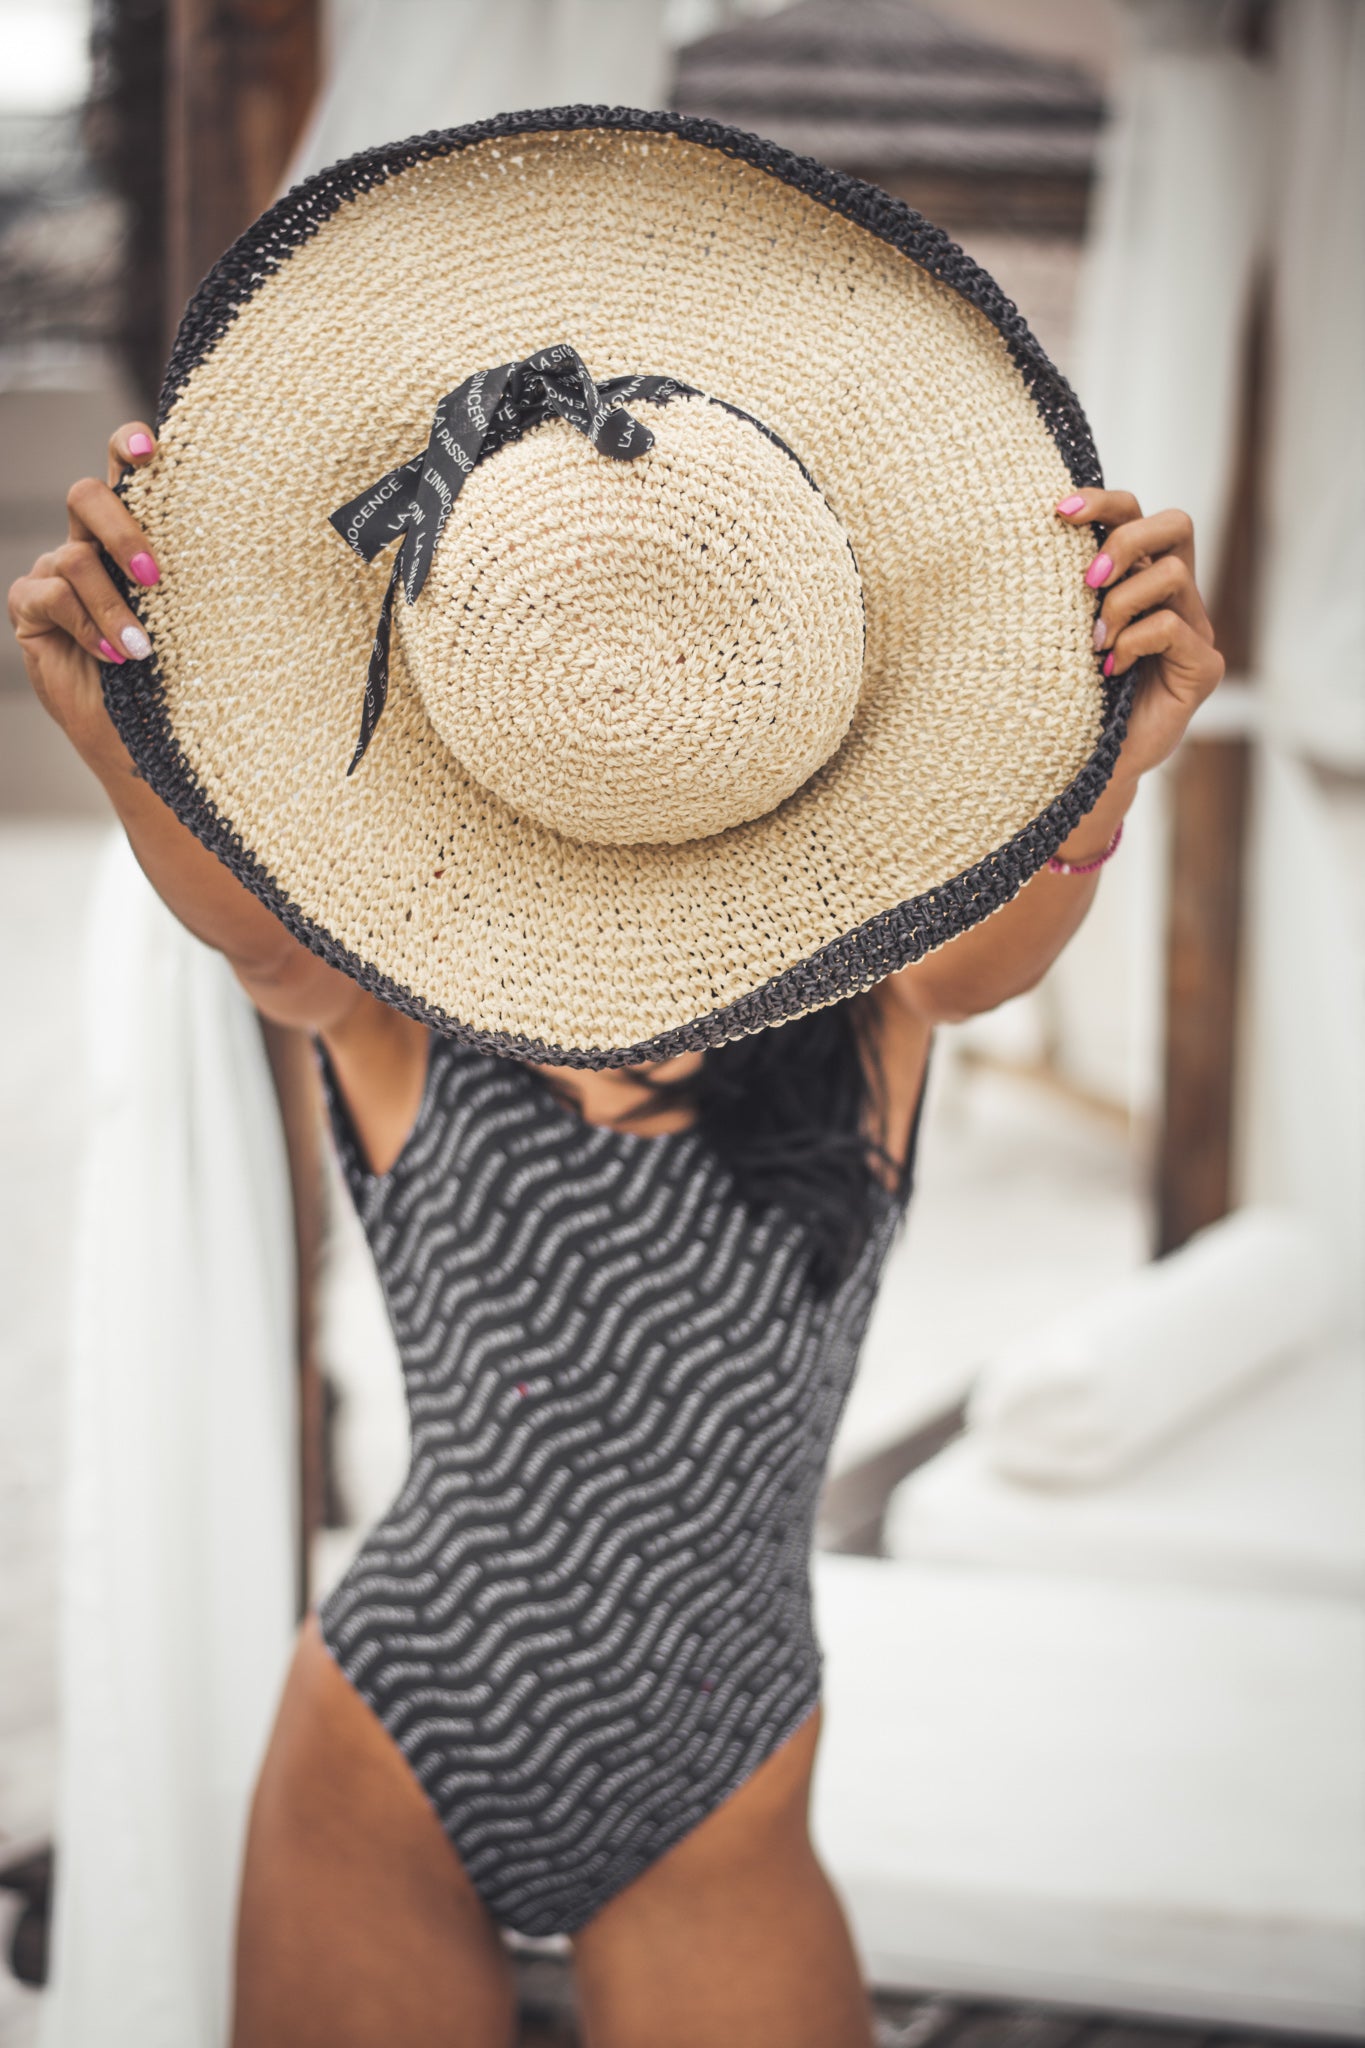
[(900, 1034), (900, 1044), (377, 1062)]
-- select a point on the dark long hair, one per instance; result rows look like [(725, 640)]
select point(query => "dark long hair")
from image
[(794, 1113)]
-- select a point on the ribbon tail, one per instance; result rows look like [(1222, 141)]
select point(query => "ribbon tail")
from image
[(368, 523), (377, 676), (458, 438), (615, 431)]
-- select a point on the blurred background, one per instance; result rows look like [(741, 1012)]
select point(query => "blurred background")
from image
[(1093, 1545)]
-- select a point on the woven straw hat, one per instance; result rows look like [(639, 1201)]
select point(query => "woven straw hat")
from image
[(613, 599)]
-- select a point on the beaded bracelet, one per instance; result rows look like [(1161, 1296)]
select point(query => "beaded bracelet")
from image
[(1085, 867)]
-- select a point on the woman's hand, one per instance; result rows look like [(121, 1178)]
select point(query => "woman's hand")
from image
[(67, 615), (1152, 613)]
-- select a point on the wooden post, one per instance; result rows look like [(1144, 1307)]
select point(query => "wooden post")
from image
[(241, 77), (1204, 931), (300, 1099), (1193, 1172)]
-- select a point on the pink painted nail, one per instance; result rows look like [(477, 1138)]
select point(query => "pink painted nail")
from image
[(139, 444), (1066, 508), (1100, 570), (146, 571), (112, 653), (1109, 664), (1101, 634)]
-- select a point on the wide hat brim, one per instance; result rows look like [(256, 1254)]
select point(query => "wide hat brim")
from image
[(310, 361)]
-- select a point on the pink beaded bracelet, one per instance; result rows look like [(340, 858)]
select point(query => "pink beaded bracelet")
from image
[(1085, 867)]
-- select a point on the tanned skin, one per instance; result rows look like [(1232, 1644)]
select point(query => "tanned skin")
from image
[(358, 1927)]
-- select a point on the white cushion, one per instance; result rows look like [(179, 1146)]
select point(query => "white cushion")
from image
[(1112, 1796), (1096, 1391), (1267, 1494)]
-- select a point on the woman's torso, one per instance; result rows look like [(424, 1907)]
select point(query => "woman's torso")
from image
[(586, 1615)]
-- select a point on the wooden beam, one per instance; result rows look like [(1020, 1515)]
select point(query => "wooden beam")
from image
[(1203, 956), (1194, 1162), (125, 131), (300, 1097), (241, 76)]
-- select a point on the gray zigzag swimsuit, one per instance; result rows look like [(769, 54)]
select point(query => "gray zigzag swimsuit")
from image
[(586, 1618)]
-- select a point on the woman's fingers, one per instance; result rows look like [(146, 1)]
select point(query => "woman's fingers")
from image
[(69, 612), (1151, 613), (95, 514), (130, 447), (1130, 535), (1099, 508), (43, 604), (1187, 666), (1140, 541), (1163, 540), (1166, 581), (80, 564), (1131, 539)]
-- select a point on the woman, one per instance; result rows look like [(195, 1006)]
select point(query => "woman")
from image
[(629, 1759)]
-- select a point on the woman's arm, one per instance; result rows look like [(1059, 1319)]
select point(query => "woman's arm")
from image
[(1153, 612), (67, 616)]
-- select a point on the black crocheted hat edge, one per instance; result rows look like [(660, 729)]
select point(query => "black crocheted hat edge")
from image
[(845, 966), (307, 206), (855, 961)]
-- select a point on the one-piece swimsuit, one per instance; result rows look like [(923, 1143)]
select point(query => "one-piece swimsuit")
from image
[(586, 1617)]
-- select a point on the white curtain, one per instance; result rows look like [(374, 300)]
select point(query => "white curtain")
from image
[(1302, 1120), (1177, 236), (400, 67), (1176, 239), (1313, 615), (1301, 1125), (178, 1569), (1218, 170)]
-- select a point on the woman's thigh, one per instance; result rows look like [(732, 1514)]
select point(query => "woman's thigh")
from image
[(734, 1938), (358, 1927)]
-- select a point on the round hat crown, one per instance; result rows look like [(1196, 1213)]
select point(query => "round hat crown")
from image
[(643, 652)]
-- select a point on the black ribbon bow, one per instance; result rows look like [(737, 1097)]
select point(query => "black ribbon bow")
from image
[(472, 422)]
